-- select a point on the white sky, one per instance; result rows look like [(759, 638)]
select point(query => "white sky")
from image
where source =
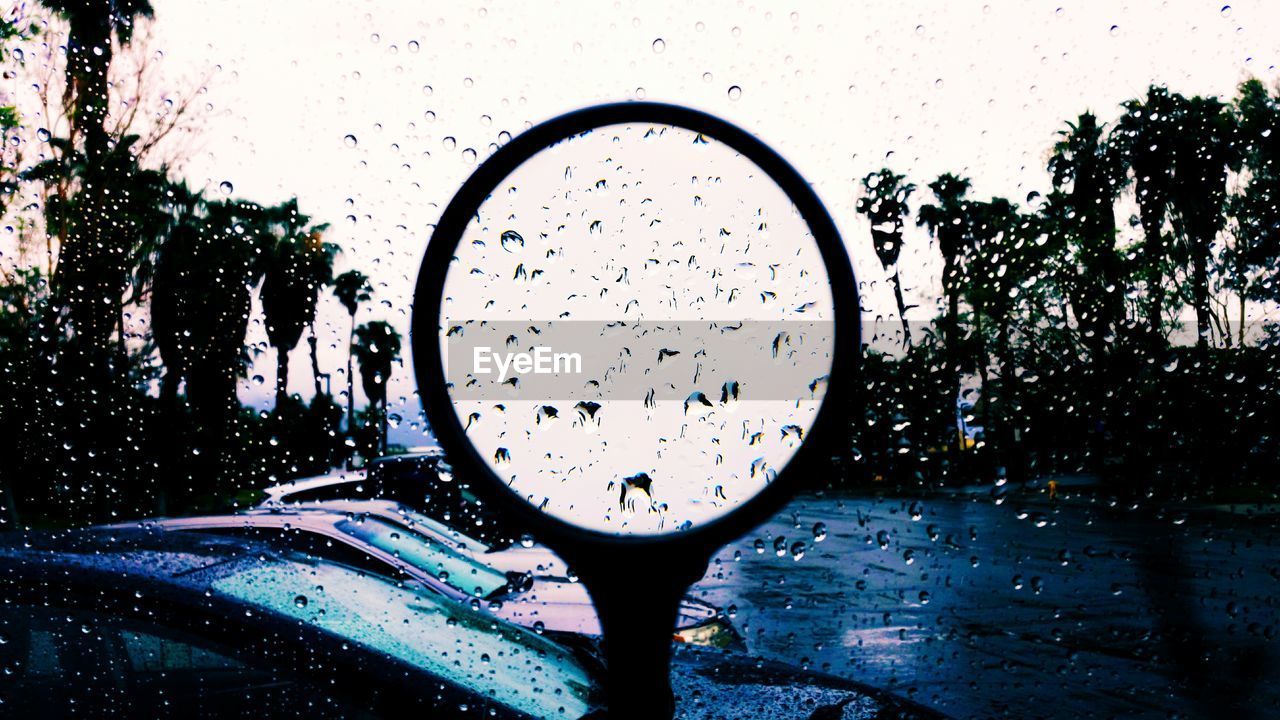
[(835, 87)]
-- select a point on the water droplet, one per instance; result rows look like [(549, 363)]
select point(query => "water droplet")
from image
[(226, 187), (512, 241), (1115, 30), (1226, 11), (43, 134), (350, 141), (300, 601), (449, 143), (819, 532), (413, 46), (735, 92), (659, 45), (798, 549)]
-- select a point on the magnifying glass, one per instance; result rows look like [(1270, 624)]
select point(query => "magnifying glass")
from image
[(634, 328)]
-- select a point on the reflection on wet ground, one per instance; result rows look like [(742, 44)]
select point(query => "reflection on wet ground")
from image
[(1027, 608)]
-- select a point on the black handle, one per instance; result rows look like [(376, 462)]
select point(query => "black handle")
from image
[(637, 594)]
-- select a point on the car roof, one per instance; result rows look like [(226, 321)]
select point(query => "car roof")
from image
[(339, 476), (336, 477)]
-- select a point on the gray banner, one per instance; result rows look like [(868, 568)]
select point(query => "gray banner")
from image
[(696, 361)]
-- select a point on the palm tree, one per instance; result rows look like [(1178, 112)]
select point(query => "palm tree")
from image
[(1005, 257), (87, 282), (947, 221), (1145, 135), (201, 299), (884, 202), (93, 23), (200, 302), (294, 268), (1204, 152), (376, 347), (1256, 207), (351, 288), (139, 221), (1089, 171)]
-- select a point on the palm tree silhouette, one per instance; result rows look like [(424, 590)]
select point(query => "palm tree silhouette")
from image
[(1089, 171), (139, 220), (1256, 208), (1145, 134), (376, 347), (351, 288), (884, 202), (947, 220), (90, 259), (201, 299), (295, 266), (1004, 258), (200, 305), (1204, 153)]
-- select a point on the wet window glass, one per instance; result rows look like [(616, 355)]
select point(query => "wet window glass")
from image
[(427, 555), (1036, 479)]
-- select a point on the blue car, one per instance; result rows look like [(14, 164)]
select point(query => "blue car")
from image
[(133, 624)]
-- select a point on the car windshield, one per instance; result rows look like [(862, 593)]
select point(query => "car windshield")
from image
[(428, 555), (512, 666), (416, 519)]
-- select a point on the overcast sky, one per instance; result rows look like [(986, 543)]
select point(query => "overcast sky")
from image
[(838, 88)]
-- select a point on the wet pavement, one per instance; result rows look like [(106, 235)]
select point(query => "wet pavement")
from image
[(1025, 608)]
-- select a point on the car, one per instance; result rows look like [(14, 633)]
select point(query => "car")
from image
[(421, 480), (423, 490), (136, 623), (146, 624), (525, 556), (373, 536)]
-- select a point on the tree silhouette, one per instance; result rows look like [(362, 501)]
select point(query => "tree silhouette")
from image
[(947, 221), (1204, 153), (1089, 170), (351, 288), (1256, 208), (884, 202), (91, 259), (376, 347), (295, 267), (201, 301), (1145, 134), (200, 304), (1007, 254)]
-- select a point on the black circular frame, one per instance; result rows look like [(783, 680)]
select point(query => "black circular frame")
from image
[(425, 330)]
